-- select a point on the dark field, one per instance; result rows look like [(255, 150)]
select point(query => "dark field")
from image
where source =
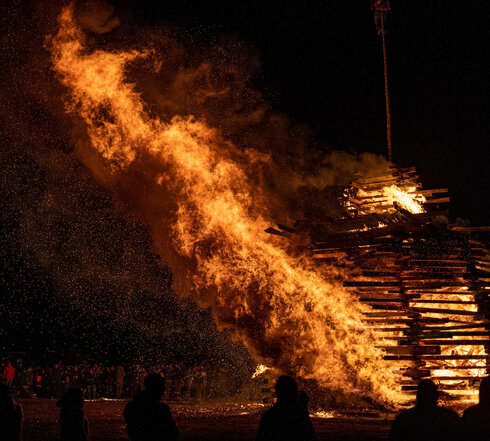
[(217, 421)]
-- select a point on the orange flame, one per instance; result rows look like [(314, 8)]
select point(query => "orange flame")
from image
[(291, 314), (259, 370)]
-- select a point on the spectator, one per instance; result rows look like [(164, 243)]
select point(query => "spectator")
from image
[(11, 417), (8, 375), (90, 379), (76, 379), (426, 421), (39, 380), (56, 380), (287, 419), (476, 419), (167, 376), (73, 424), (147, 419), (120, 374), (200, 380), (177, 381), (27, 381), (188, 379)]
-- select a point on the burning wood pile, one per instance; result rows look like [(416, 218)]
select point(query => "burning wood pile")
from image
[(425, 283)]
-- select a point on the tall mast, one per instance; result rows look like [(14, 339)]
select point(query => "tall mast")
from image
[(381, 8)]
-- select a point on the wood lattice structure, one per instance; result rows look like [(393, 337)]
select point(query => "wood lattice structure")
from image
[(426, 283)]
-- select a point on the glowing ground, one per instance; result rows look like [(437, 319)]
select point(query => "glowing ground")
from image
[(215, 421)]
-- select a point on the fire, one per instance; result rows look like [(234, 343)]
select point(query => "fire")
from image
[(383, 199), (290, 313), (409, 200), (259, 370)]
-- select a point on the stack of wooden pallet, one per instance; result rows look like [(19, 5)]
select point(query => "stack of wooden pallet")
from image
[(425, 284)]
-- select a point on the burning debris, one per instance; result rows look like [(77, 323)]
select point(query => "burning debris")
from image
[(426, 283), (259, 370)]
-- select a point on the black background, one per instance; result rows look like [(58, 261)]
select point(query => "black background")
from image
[(322, 65)]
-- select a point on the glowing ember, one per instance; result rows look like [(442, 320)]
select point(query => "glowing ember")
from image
[(383, 200), (259, 370), (409, 200), (292, 314)]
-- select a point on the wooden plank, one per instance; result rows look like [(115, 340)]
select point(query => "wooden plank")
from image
[(444, 311), (437, 357), (355, 283), (451, 342), (437, 201), (443, 302), (386, 314), (405, 320), (469, 229), (411, 349), (433, 191), (452, 334), (469, 326), (286, 228), (452, 368)]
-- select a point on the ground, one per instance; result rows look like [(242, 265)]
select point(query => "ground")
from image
[(213, 421)]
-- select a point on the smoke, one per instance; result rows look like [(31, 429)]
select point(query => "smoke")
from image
[(254, 166), (208, 183), (96, 261)]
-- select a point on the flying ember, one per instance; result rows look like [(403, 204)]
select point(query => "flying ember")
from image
[(197, 193)]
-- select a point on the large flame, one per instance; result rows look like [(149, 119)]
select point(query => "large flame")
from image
[(290, 314)]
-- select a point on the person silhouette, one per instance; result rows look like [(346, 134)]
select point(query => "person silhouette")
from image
[(73, 424), (147, 419), (476, 419), (426, 420), (288, 418), (11, 417)]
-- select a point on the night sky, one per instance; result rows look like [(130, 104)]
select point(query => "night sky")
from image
[(321, 65)]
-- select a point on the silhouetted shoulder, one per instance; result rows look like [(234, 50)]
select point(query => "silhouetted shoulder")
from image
[(149, 420), (435, 424), (11, 417), (285, 424), (476, 423)]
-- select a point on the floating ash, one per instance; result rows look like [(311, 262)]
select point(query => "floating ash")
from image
[(204, 201)]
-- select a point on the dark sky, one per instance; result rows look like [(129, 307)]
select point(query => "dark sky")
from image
[(322, 65)]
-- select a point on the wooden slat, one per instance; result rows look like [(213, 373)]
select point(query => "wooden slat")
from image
[(444, 311), (437, 201), (438, 357), (453, 342)]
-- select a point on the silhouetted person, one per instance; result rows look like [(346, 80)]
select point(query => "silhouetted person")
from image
[(287, 419), (73, 425), (147, 419), (8, 374), (11, 417), (120, 374), (426, 420), (476, 419)]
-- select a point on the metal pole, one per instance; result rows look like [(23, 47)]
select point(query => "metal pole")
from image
[(387, 93)]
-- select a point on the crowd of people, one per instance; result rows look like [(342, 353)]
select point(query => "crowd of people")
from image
[(116, 381), (148, 419)]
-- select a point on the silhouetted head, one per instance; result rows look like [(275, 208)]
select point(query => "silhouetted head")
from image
[(286, 389), (485, 392), (71, 398), (427, 393), (155, 385)]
